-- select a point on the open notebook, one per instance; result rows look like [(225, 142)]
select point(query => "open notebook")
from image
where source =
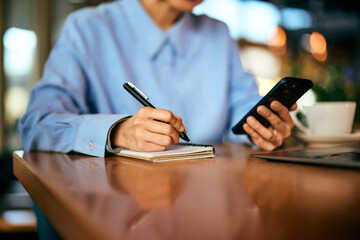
[(181, 151)]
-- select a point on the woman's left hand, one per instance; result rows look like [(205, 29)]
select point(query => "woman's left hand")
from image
[(281, 124)]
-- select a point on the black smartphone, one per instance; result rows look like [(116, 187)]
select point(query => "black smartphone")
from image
[(287, 91)]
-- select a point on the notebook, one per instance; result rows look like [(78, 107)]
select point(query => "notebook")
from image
[(181, 151), (340, 156)]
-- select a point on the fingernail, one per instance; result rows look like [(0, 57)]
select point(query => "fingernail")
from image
[(262, 110), (276, 105), (250, 120)]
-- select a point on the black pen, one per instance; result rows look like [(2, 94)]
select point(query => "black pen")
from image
[(142, 98)]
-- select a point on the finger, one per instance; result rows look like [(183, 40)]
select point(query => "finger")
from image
[(257, 139), (163, 129), (146, 137), (162, 115), (293, 107), (165, 116), (148, 147), (260, 129), (155, 114), (178, 124), (274, 120), (154, 120), (264, 143), (278, 138), (282, 111)]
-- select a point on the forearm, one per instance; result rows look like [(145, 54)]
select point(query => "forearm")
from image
[(65, 132)]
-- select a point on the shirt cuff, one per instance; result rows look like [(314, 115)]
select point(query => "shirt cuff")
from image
[(93, 132), (110, 148)]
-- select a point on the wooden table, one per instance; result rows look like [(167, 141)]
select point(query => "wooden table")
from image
[(229, 197)]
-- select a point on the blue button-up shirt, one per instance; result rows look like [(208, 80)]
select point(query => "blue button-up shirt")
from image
[(193, 70)]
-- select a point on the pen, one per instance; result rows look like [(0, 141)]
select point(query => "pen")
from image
[(142, 98)]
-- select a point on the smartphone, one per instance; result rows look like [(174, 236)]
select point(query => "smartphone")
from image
[(287, 91)]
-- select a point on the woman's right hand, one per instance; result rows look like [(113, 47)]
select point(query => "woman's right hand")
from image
[(148, 130)]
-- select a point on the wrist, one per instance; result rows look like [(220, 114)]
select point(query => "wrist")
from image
[(114, 135)]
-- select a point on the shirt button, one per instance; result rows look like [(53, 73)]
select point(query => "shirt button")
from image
[(173, 102), (90, 146), (165, 68)]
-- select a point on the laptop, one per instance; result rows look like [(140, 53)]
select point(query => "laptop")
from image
[(347, 156)]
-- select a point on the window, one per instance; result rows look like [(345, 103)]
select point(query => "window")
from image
[(28, 30)]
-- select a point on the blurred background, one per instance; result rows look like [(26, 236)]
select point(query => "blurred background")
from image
[(314, 39)]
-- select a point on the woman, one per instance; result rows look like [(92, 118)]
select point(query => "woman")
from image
[(188, 66)]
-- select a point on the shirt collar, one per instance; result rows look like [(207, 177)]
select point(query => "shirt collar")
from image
[(150, 36), (179, 34)]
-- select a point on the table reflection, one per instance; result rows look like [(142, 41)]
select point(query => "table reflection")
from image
[(153, 186), (292, 198), (70, 172), (187, 200)]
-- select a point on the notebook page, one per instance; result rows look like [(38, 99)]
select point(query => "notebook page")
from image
[(170, 151)]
